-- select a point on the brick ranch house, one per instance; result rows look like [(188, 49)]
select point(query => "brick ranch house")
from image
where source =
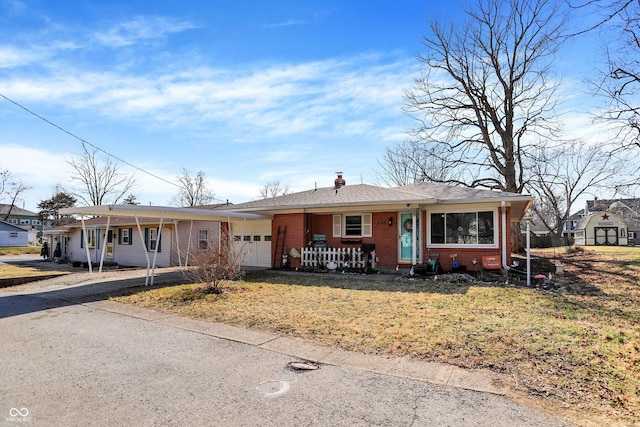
[(407, 225)]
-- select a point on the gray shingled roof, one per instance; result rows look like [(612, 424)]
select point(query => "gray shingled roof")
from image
[(15, 211), (367, 195)]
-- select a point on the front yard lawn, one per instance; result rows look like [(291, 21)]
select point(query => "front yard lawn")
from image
[(576, 349)]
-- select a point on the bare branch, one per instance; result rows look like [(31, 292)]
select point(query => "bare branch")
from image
[(194, 190), (101, 181)]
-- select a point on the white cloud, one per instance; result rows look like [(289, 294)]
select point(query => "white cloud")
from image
[(141, 29)]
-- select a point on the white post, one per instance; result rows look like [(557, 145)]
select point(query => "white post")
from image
[(144, 247), (528, 254), (155, 253), (414, 238), (104, 244), (86, 244)]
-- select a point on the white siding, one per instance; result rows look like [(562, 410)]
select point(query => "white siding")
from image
[(14, 238), (187, 240), (123, 254)]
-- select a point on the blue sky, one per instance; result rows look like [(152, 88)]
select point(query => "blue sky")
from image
[(245, 91)]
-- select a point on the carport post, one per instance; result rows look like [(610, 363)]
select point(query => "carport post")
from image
[(175, 226), (86, 243), (104, 244), (528, 253), (186, 258), (144, 247), (155, 252)]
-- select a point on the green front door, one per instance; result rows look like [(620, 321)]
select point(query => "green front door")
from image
[(407, 231)]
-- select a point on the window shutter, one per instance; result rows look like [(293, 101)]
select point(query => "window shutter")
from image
[(81, 239), (119, 236), (337, 225), (366, 225), (146, 238), (131, 236)]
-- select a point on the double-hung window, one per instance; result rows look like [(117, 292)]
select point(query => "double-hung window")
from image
[(203, 239), (153, 239), (124, 236), (91, 238), (352, 225), (477, 228)]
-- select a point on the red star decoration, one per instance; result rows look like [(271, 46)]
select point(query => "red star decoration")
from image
[(605, 217)]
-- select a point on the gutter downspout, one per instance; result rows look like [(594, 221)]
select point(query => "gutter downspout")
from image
[(504, 235)]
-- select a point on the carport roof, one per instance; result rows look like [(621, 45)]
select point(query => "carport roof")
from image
[(165, 212)]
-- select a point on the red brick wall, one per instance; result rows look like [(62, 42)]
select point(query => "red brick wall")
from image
[(301, 228), (466, 255), (294, 238)]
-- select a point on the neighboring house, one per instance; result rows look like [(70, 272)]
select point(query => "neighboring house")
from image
[(24, 219), (12, 235), (602, 229), (406, 225), (145, 236), (628, 209)]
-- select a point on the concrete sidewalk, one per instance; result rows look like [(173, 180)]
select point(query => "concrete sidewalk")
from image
[(92, 293)]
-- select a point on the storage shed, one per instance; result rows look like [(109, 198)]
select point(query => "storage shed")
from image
[(602, 229)]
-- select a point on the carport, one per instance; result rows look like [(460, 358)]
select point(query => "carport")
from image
[(164, 214)]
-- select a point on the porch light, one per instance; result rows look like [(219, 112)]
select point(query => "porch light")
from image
[(390, 221)]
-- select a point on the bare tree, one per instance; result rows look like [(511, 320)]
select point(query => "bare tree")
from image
[(561, 177), (101, 180), (215, 263), (273, 189), (194, 190), (487, 92), (412, 161), (619, 81), (11, 189)]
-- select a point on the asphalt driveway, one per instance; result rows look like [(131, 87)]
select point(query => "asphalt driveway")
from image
[(71, 358)]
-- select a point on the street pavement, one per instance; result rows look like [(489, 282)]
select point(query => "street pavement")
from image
[(71, 357)]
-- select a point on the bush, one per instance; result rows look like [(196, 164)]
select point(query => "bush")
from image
[(215, 264)]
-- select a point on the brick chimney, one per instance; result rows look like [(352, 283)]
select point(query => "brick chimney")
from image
[(339, 182)]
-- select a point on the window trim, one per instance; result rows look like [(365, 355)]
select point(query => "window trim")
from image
[(125, 236), (340, 225), (203, 239), (496, 229), (148, 239), (92, 238)]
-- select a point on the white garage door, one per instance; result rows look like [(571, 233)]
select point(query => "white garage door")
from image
[(253, 238)]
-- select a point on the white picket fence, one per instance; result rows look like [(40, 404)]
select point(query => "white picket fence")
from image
[(350, 258)]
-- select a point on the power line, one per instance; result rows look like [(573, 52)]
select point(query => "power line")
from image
[(84, 141)]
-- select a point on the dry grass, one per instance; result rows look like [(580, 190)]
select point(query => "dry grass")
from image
[(578, 348), (8, 271), (20, 250)]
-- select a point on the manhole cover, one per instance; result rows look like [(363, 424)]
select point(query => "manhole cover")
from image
[(303, 366)]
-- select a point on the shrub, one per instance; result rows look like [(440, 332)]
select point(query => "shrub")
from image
[(218, 262)]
